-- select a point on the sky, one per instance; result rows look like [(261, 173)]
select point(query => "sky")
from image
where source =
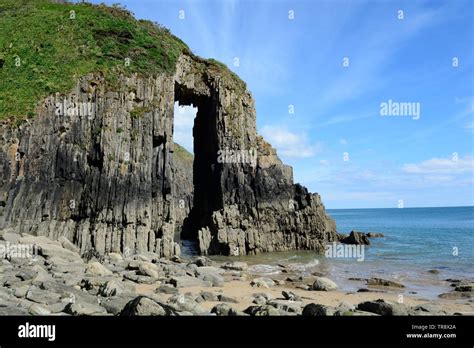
[(328, 78)]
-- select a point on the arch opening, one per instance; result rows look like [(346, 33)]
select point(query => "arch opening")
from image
[(206, 195)]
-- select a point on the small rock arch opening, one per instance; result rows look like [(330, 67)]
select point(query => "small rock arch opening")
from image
[(205, 169)]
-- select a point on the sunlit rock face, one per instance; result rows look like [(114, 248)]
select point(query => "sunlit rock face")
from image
[(98, 165)]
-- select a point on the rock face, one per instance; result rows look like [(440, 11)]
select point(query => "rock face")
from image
[(324, 284), (105, 174), (356, 238)]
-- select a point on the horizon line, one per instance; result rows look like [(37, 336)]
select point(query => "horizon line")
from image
[(449, 206)]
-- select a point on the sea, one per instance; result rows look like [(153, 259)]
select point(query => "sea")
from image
[(417, 241)]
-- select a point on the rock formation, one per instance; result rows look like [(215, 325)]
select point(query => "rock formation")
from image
[(97, 165)]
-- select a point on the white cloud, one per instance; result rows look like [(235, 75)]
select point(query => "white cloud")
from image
[(290, 144), (470, 126), (363, 196), (324, 162), (183, 125), (441, 166), (343, 141)]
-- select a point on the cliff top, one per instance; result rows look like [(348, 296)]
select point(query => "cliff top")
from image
[(183, 154), (45, 47)]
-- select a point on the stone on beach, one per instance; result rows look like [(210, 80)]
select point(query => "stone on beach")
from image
[(382, 307), (384, 283), (262, 282), (235, 266), (324, 284)]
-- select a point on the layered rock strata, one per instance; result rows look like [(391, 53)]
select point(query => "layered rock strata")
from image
[(98, 166)]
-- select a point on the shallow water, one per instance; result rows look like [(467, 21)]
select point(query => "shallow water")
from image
[(416, 240)]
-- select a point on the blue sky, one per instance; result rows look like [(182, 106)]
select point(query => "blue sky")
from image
[(298, 61)]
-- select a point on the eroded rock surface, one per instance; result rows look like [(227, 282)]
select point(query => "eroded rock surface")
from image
[(98, 166)]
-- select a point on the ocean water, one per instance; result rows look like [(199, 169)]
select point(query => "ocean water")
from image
[(416, 240)]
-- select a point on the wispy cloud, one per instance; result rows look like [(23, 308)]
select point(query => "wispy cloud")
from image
[(441, 166), (465, 109), (371, 197), (344, 119), (469, 126), (289, 144)]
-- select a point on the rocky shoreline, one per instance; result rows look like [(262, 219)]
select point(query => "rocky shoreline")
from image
[(57, 280)]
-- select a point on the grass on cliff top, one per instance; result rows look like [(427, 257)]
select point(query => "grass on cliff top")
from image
[(183, 154), (45, 48), (220, 68)]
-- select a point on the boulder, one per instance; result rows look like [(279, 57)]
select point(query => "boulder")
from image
[(184, 303), (188, 281), (67, 244), (265, 310), (382, 308), (114, 305), (202, 261), (356, 238), (428, 309), (167, 289), (148, 269), (375, 235), (84, 308), (316, 310), (37, 309), (42, 296), (97, 269), (10, 237), (324, 284), (115, 257), (7, 309), (112, 288), (209, 296), (60, 265), (142, 305), (235, 266), (21, 290), (288, 295), (140, 279), (384, 283), (133, 265), (48, 248), (262, 282), (344, 307), (465, 287), (224, 298), (260, 300), (286, 307), (455, 295), (223, 309), (210, 274)]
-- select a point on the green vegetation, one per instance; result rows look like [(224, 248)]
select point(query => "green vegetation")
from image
[(228, 75), (46, 47), (141, 110), (183, 154)]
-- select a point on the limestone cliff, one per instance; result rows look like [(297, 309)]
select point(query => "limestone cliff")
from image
[(98, 165)]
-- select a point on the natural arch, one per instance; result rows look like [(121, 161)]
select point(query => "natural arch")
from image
[(206, 194)]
